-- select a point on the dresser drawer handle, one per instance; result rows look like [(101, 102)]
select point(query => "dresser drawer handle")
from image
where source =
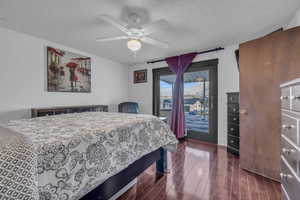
[(284, 97), (284, 126), (233, 109), (295, 97), (285, 177), (234, 119), (232, 129), (288, 151), (231, 141)]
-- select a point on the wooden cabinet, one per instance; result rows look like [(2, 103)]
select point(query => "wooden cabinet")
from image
[(265, 63), (233, 119)]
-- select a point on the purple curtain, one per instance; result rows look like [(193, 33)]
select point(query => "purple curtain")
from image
[(179, 65)]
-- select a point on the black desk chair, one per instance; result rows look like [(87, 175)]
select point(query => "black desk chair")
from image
[(129, 107)]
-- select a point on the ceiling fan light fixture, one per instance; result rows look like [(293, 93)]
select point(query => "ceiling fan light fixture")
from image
[(134, 45)]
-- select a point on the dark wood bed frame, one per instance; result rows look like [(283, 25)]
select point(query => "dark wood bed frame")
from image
[(115, 183)]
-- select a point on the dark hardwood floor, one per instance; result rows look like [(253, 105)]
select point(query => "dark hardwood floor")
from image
[(204, 172)]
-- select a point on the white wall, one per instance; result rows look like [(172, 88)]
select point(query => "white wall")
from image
[(228, 81), (23, 77), (295, 21)]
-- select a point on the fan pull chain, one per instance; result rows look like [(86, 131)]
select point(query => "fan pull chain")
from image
[(134, 56)]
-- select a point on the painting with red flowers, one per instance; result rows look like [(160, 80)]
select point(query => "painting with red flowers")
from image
[(68, 72)]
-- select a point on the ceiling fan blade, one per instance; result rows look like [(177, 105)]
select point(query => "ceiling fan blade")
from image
[(154, 26), (116, 23), (111, 39), (155, 42)]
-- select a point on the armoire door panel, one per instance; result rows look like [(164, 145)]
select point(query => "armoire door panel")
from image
[(265, 63)]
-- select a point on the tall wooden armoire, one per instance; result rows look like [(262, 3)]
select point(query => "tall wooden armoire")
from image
[(265, 63)]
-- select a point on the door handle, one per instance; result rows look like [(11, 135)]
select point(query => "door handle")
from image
[(243, 112), (211, 102)]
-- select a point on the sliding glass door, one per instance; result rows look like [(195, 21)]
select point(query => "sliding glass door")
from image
[(196, 101), (200, 98), (166, 83)]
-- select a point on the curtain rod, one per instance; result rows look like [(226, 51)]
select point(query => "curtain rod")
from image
[(201, 52)]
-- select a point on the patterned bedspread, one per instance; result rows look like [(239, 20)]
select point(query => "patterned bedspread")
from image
[(66, 156)]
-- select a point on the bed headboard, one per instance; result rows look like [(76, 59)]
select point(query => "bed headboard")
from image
[(40, 112)]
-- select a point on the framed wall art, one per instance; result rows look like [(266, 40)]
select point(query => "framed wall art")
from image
[(140, 76), (67, 71)]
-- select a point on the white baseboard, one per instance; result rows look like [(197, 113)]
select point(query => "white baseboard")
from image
[(124, 189)]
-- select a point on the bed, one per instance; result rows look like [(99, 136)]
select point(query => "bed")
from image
[(72, 156)]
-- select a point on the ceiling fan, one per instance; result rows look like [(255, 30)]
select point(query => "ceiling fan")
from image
[(135, 34)]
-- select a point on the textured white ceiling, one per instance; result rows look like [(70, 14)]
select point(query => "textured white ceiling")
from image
[(193, 24)]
